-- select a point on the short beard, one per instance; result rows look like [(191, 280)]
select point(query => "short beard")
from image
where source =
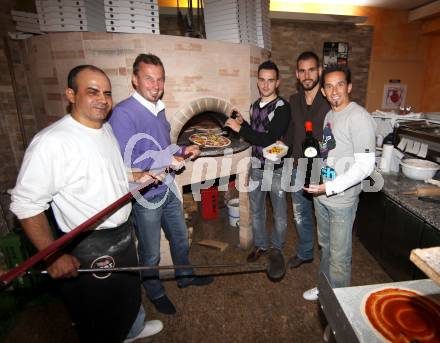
[(311, 87)]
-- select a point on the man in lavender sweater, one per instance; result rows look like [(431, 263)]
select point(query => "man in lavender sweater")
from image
[(143, 134)]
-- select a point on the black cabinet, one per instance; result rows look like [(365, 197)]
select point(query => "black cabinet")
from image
[(369, 221), (402, 232), (389, 232), (430, 238)]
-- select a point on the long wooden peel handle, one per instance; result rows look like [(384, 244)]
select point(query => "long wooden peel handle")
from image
[(7, 278)]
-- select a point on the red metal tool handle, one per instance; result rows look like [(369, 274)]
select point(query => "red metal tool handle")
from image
[(7, 278), (14, 273)]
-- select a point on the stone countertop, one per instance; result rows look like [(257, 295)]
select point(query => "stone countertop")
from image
[(396, 183)]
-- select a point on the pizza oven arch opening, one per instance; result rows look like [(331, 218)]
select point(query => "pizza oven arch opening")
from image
[(209, 121), (205, 116)]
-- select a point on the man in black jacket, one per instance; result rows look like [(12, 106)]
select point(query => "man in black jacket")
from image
[(270, 116), (307, 105)]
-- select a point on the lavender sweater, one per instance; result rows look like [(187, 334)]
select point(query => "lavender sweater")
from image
[(144, 140)]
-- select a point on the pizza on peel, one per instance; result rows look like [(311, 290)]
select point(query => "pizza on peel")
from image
[(210, 140)]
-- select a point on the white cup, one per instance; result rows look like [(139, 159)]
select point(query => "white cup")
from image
[(387, 156)]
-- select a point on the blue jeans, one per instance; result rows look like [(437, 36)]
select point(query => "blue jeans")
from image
[(302, 204), (335, 226), (138, 324), (268, 181), (149, 220)]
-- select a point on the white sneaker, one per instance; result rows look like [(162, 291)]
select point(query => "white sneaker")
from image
[(151, 328), (311, 294)]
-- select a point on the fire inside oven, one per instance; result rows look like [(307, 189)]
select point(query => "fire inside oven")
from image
[(212, 124)]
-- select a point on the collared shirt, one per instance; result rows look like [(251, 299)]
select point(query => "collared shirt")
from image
[(154, 108)]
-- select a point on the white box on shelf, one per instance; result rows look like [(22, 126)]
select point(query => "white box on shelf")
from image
[(66, 28), (136, 6), (24, 14), (214, 21), (61, 10), (130, 3), (66, 21), (119, 10), (130, 29), (61, 14), (219, 2), (131, 16), (96, 6), (45, 3), (33, 26), (132, 23), (29, 30)]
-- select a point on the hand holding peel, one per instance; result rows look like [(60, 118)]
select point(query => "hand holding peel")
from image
[(177, 163), (192, 150)]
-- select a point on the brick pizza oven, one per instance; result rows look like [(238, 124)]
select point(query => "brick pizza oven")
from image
[(201, 76)]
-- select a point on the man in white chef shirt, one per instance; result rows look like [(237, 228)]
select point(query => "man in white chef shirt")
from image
[(75, 166), (348, 151)]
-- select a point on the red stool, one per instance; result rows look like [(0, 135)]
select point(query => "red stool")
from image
[(209, 203)]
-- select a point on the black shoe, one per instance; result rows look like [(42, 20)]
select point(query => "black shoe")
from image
[(295, 262), (255, 254), (164, 305), (276, 268), (197, 281)]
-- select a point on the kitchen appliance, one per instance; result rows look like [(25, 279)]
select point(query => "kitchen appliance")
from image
[(420, 133)]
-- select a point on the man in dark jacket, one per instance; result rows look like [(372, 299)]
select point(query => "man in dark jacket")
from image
[(270, 116), (307, 105)]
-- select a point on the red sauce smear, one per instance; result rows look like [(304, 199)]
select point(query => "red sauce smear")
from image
[(404, 316)]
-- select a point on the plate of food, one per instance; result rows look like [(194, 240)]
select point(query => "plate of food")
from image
[(210, 140), (275, 152)]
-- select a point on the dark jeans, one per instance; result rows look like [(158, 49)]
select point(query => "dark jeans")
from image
[(267, 182), (149, 220), (302, 204)]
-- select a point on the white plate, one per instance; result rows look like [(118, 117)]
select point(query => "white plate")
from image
[(273, 156)]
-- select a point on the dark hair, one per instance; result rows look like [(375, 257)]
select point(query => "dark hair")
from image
[(73, 73), (307, 55), (342, 68), (147, 59), (269, 65)]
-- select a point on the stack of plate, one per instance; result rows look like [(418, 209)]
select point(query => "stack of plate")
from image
[(71, 15), (26, 21), (132, 16), (237, 21), (264, 39)]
